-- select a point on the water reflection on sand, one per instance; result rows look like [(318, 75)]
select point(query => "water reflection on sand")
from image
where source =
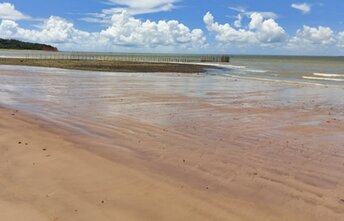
[(274, 144), (151, 97)]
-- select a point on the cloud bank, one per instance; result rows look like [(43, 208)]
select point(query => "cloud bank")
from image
[(123, 31), (264, 32)]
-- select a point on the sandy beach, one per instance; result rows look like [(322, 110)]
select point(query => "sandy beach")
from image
[(80, 145), (47, 178)]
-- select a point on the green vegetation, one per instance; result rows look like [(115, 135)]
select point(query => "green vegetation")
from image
[(20, 45)]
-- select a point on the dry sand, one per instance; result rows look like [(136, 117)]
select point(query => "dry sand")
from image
[(168, 147)]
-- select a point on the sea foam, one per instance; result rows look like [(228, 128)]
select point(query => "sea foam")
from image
[(328, 75)]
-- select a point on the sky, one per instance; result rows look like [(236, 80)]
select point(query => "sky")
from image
[(179, 26)]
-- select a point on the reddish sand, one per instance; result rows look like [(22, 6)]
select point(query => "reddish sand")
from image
[(168, 147)]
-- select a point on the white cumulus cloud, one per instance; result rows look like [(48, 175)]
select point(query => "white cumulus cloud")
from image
[(303, 7), (341, 39), (8, 11), (8, 29), (124, 31), (260, 31), (127, 30), (308, 36), (55, 30)]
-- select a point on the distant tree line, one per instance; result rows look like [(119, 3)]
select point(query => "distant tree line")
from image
[(20, 45)]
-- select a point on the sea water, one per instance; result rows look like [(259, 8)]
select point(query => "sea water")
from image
[(319, 70), (295, 69)]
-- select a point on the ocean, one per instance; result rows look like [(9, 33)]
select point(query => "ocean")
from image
[(315, 70), (294, 69)]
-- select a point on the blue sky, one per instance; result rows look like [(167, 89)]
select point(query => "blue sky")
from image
[(191, 26)]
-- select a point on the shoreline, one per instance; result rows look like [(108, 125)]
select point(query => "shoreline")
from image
[(108, 66)]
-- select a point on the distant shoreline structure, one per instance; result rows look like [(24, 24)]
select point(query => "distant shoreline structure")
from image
[(129, 57)]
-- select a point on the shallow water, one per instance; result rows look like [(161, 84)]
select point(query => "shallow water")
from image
[(78, 100), (59, 93), (301, 69)]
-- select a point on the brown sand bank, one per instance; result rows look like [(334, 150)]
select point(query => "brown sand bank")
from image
[(168, 147), (108, 66)]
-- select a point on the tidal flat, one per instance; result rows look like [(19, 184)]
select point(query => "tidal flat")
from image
[(86, 145)]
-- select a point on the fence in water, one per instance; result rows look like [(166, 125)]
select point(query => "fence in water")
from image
[(115, 57)]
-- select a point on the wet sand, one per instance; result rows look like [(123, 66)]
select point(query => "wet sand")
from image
[(44, 177), (106, 65), (159, 146)]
